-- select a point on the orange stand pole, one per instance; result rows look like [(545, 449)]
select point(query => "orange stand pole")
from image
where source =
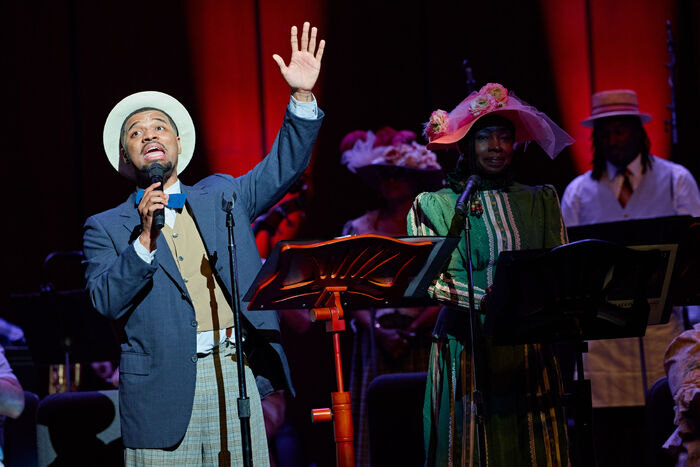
[(329, 309)]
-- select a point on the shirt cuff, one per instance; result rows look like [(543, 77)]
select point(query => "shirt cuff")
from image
[(307, 110), (144, 254)]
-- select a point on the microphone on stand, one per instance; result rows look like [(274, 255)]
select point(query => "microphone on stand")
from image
[(227, 202), (462, 206), (155, 173)]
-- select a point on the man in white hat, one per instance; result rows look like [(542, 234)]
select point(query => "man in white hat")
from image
[(170, 287), (626, 182)]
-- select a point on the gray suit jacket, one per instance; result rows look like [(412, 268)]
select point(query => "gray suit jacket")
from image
[(151, 302)]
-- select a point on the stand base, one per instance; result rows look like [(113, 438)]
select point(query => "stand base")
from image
[(342, 429)]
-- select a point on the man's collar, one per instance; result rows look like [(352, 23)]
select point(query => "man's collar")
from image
[(174, 188), (634, 167)]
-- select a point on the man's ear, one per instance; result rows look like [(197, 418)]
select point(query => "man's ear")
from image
[(179, 147), (125, 156)]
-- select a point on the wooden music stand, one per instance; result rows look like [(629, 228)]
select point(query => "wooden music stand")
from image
[(328, 277)]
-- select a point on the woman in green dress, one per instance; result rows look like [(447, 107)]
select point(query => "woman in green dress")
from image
[(521, 386)]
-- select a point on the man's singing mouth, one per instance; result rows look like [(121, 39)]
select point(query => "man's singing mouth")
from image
[(153, 152)]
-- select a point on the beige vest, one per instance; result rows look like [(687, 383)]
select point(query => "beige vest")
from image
[(210, 305)]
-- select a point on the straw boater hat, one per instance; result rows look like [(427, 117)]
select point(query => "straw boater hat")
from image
[(372, 156), (443, 130), (613, 103), (148, 99)]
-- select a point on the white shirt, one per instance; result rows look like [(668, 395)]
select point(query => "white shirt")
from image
[(665, 189), (205, 339), (615, 178)]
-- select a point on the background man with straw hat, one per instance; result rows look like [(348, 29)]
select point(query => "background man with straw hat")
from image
[(626, 182)]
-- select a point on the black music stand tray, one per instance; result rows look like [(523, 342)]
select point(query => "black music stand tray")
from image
[(581, 291), (360, 271), (679, 234)]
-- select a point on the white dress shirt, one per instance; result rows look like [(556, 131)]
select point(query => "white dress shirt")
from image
[(615, 178), (665, 189)]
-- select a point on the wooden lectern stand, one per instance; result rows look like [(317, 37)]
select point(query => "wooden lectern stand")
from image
[(328, 277)]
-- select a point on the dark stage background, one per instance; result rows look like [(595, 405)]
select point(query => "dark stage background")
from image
[(66, 63)]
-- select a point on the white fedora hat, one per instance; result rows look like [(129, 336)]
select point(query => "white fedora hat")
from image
[(149, 99)]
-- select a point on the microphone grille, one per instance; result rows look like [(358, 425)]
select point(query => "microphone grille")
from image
[(156, 170), (475, 179)]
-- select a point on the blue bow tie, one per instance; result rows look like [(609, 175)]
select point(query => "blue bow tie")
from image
[(175, 200)]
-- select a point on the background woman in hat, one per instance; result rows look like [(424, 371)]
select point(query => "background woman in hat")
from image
[(397, 168), (521, 386)]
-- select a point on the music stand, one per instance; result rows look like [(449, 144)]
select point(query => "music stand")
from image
[(686, 280), (62, 327), (572, 294), (328, 277), (679, 235)]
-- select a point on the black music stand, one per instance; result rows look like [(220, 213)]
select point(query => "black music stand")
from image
[(62, 327), (361, 271), (585, 290), (681, 237)]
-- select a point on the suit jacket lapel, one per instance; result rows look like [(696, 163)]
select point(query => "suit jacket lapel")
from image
[(130, 217)]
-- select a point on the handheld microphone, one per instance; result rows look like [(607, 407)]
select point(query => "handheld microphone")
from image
[(155, 173), (462, 206)]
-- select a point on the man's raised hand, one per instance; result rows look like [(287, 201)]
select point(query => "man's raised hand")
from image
[(305, 63)]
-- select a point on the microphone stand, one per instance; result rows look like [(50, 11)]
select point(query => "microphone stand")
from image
[(671, 67), (243, 400), (477, 403)]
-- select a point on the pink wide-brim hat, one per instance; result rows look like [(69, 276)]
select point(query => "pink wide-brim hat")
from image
[(530, 124), (612, 103)]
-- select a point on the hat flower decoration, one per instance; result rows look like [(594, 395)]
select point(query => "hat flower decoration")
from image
[(443, 130), (369, 154)]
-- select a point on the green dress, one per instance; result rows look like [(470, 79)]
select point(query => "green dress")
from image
[(521, 385)]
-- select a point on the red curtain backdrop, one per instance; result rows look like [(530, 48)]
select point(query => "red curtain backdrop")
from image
[(224, 47), (628, 50), (565, 22)]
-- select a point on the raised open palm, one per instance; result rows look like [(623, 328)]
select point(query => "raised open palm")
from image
[(304, 66)]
